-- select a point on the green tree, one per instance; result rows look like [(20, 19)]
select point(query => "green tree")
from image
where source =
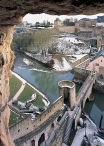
[(44, 38), (23, 41)]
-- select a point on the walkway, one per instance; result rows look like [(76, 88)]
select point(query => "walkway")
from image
[(24, 82), (20, 90), (81, 133)]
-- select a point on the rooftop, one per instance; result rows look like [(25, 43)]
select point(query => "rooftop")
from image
[(98, 54), (57, 19)]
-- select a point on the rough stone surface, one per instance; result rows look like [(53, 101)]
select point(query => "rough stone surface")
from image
[(6, 61), (59, 138), (11, 13), (12, 10)]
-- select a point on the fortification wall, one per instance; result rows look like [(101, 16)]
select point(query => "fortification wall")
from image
[(26, 125), (80, 73), (85, 29), (73, 64), (69, 29)]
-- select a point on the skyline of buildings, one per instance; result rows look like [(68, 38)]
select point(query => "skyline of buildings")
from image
[(33, 18)]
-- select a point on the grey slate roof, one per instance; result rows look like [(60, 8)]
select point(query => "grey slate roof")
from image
[(98, 54), (57, 19)]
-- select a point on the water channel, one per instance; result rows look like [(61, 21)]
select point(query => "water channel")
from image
[(47, 82)]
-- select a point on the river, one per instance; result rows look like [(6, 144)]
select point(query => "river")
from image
[(47, 82)]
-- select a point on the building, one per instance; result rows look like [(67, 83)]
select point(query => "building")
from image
[(57, 23), (97, 62), (85, 34), (100, 19), (85, 22)]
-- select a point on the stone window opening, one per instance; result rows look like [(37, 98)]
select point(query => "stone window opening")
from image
[(33, 142), (19, 130), (59, 118), (41, 139), (52, 125)]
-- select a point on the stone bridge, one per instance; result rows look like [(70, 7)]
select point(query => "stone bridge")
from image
[(60, 117)]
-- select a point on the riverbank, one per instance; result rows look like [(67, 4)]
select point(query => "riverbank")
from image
[(16, 112), (24, 82), (56, 63)]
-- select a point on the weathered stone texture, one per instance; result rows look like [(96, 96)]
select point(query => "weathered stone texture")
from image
[(13, 9), (59, 138), (6, 61)]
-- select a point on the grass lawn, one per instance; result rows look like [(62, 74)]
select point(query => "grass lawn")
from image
[(26, 95), (15, 85), (13, 118)]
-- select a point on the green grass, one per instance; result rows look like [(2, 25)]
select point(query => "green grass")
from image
[(15, 85), (26, 95), (38, 101), (13, 118)]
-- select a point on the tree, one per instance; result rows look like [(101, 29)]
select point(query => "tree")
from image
[(23, 41), (43, 39)]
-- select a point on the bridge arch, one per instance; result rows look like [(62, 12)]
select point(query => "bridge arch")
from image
[(41, 139), (67, 90)]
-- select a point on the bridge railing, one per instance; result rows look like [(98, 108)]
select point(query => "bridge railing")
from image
[(83, 86)]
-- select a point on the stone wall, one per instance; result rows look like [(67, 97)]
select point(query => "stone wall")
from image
[(79, 61), (6, 62), (67, 29), (26, 125)]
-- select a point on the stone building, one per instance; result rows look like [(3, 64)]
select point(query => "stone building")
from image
[(57, 23)]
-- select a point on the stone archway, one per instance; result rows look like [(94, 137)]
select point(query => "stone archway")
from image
[(59, 118), (11, 13), (33, 142), (41, 139)]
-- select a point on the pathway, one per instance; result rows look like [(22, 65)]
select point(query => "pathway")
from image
[(90, 129), (24, 82), (20, 90)]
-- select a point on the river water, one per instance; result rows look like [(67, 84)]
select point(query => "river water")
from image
[(47, 82)]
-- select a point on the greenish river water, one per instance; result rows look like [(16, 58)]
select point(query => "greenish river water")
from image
[(47, 82)]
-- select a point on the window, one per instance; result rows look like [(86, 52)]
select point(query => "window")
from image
[(52, 125), (97, 64), (33, 142)]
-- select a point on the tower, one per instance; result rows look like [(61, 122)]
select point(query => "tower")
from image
[(67, 90), (57, 23)]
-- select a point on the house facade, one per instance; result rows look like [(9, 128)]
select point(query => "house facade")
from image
[(97, 62)]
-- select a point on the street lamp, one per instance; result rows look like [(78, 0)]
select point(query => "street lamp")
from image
[(85, 125)]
